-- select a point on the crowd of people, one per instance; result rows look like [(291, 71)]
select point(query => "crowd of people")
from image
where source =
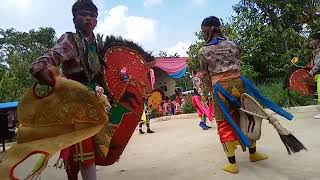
[(172, 107)]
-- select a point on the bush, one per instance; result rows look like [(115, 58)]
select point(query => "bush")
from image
[(154, 114), (187, 107), (285, 98)]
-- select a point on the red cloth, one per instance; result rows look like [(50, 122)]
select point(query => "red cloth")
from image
[(72, 169), (225, 131), (72, 154), (65, 153)]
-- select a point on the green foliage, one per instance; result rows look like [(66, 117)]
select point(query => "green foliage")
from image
[(154, 114), (248, 71), (193, 62), (269, 34), (17, 51), (188, 107), (42, 90), (274, 91), (185, 82)]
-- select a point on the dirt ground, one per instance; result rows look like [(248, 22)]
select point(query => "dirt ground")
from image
[(180, 150)]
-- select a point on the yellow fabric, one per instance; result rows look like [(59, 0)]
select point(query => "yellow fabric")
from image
[(231, 168), (257, 157), (253, 144), (144, 117), (235, 92), (69, 115), (235, 87), (230, 147)]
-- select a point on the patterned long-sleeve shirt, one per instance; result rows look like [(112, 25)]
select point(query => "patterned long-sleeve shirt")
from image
[(316, 66), (219, 58), (216, 59), (64, 52)]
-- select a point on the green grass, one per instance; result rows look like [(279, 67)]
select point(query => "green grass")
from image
[(274, 91)]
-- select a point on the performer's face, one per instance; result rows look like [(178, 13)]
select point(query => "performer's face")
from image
[(206, 33), (86, 21)]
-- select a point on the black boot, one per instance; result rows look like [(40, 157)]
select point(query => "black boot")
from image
[(140, 128), (148, 127)]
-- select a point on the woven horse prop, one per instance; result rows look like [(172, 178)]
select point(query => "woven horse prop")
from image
[(68, 114), (251, 116)]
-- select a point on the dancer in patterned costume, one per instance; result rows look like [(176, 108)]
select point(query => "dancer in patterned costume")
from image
[(219, 63), (78, 54)]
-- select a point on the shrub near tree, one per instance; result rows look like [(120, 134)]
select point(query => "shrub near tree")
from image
[(188, 107), (17, 51)]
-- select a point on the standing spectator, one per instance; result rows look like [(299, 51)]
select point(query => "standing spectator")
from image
[(145, 119)]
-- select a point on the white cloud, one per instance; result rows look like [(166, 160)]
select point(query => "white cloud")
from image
[(149, 3), (138, 29), (22, 3), (32, 14), (180, 48), (199, 2)]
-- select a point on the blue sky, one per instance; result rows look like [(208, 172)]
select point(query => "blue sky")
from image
[(155, 24)]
